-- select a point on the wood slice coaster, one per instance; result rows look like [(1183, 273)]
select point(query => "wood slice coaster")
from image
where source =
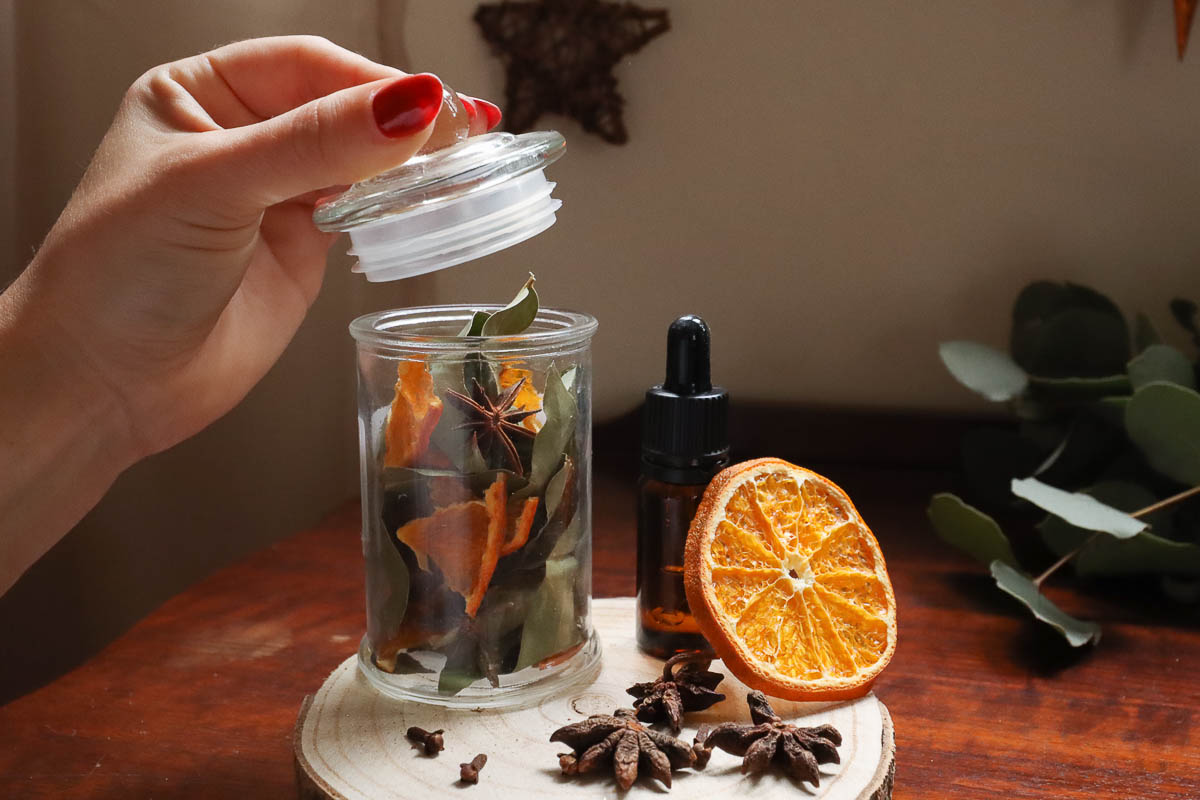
[(349, 740)]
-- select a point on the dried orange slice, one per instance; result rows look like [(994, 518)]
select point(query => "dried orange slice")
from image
[(527, 398), (788, 583), (414, 414), (464, 541), (520, 526)]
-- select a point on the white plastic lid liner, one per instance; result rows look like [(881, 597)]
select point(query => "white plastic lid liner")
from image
[(454, 231)]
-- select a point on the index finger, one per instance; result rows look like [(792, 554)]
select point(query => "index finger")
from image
[(256, 79)]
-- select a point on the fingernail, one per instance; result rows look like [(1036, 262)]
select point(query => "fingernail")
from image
[(472, 111), (491, 110), (407, 105)]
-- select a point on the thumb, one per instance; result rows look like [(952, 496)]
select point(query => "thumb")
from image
[(336, 139)]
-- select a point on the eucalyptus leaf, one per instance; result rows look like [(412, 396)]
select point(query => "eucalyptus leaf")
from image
[(970, 530), (551, 625), (1063, 330), (1163, 420), (1144, 333), (1081, 510), (1185, 313), (1161, 362), (474, 326), (984, 369), (518, 315), (1103, 555), (1077, 632), (1077, 390)]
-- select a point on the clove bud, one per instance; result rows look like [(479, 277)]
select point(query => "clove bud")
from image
[(430, 740), (469, 773)]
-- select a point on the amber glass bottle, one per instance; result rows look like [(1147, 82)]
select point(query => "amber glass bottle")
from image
[(684, 444)]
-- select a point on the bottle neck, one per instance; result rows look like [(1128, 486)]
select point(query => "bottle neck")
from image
[(693, 473)]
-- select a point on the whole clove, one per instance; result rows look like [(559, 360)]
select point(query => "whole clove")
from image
[(431, 741), (469, 772)]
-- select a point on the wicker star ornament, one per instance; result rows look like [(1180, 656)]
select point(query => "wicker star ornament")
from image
[(559, 57)]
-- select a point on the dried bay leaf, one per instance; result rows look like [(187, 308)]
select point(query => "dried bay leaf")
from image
[(1077, 632), (515, 317), (474, 326), (970, 530), (551, 625)]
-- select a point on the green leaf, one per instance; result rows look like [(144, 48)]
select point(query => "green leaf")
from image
[(969, 529), (1081, 510), (551, 442), (1112, 410), (983, 369), (1078, 390), (1077, 632), (1160, 362), (551, 625), (568, 540), (387, 584), (1068, 331), (474, 326), (1185, 313), (518, 315), (462, 667), (1144, 333), (1163, 420)]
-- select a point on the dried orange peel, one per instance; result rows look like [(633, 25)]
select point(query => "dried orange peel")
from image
[(464, 541), (527, 398), (520, 526), (788, 583), (414, 414)]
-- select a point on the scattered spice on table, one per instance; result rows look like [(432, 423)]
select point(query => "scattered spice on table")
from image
[(769, 739), (620, 740), (686, 685), (431, 741), (469, 772)]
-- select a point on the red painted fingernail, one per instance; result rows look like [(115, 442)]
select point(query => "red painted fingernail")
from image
[(472, 111), (491, 110), (407, 105)]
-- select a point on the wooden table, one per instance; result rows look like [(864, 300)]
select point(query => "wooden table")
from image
[(199, 699)]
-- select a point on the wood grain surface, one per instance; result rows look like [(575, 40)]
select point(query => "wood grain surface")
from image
[(199, 699), (350, 740)]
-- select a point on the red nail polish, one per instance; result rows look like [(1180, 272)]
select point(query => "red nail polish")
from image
[(491, 110), (472, 111), (407, 105)]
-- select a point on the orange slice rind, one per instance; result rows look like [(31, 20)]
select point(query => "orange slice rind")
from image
[(520, 527), (464, 541), (414, 414), (788, 583), (527, 398)]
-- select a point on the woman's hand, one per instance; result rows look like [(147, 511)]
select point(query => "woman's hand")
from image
[(187, 257)]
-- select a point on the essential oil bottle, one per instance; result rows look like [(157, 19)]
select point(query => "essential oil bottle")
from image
[(685, 442)]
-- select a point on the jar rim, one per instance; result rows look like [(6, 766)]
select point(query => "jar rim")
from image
[(400, 329)]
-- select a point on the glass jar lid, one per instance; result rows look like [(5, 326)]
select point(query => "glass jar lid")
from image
[(450, 206)]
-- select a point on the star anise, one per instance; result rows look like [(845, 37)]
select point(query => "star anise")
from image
[(798, 750), (619, 739), (689, 688), (494, 423)]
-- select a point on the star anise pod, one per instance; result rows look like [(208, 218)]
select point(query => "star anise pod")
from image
[(494, 423), (798, 750), (688, 688), (621, 740)]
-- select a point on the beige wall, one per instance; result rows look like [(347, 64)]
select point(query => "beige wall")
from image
[(838, 186), (835, 186)]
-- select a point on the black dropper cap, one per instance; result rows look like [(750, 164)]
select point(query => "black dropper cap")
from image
[(685, 424)]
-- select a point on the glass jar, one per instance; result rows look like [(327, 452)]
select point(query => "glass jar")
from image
[(476, 503)]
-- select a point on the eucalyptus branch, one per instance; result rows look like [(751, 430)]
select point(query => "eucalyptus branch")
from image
[(1150, 509)]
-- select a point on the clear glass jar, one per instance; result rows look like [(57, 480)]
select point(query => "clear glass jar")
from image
[(476, 537)]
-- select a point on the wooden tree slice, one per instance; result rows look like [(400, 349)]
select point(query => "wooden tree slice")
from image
[(349, 740)]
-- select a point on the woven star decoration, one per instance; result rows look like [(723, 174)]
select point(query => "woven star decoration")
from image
[(559, 57)]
